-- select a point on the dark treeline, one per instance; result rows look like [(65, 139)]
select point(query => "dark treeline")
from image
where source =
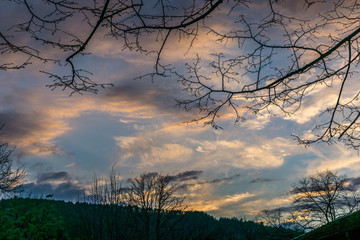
[(29, 218)]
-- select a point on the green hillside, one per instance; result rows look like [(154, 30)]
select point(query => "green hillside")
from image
[(25, 218), (347, 227)]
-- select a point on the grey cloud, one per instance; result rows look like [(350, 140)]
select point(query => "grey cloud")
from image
[(150, 174), (146, 174), (185, 186), (19, 125), (53, 176), (53, 149), (180, 177), (285, 209), (132, 91), (141, 92), (355, 181), (22, 125), (37, 166), (64, 191), (225, 179), (256, 180), (184, 176), (41, 148)]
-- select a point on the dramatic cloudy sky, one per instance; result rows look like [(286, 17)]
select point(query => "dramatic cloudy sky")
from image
[(62, 141)]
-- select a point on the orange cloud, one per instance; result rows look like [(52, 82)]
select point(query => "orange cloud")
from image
[(216, 204)]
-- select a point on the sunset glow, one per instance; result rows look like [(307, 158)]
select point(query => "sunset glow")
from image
[(135, 126)]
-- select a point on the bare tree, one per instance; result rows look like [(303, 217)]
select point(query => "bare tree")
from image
[(155, 195), (281, 219), (322, 198), (11, 178), (104, 217), (273, 217)]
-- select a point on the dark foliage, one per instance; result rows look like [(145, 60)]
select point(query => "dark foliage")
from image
[(30, 219), (48, 219), (347, 227)]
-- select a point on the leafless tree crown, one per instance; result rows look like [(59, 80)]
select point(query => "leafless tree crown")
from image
[(154, 191), (285, 53), (69, 26), (155, 194), (317, 199), (322, 198), (11, 178), (283, 60)]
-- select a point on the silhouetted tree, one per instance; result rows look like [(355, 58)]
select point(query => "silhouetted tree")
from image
[(104, 216), (317, 199), (280, 219), (274, 217), (321, 198), (10, 178), (155, 195)]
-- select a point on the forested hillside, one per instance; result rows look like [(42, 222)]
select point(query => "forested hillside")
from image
[(26, 218), (347, 227)]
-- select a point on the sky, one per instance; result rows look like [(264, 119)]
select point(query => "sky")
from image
[(63, 140)]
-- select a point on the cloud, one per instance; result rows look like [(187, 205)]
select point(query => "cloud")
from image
[(355, 182), (50, 176), (150, 152), (34, 118), (185, 176), (32, 132), (255, 206), (158, 144), (335, 158), (169, 152), (179, 177), (70, 164), (213, 182), (131, 146), (220, 203), (225, 179), (241, 154), (201, 148), (138, 93), (317, 101), (68, 191), (60, 184), (178, 48), (256, 180)]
